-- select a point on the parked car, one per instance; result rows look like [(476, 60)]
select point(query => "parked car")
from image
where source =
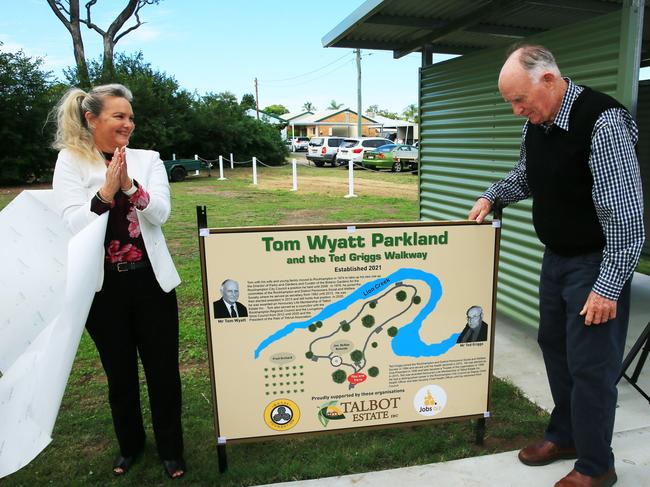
[(178, 169), (354, 148), (323, 149), (396, 157), (299, 143)]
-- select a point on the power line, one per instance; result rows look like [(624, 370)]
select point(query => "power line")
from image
[(347, 63), (308, 73)]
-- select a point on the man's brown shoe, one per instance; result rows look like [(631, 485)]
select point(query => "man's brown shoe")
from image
[(576, 479), (545, 452)]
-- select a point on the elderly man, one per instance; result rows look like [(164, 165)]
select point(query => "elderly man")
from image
[(578, 162), (476, 329), (227, 306)]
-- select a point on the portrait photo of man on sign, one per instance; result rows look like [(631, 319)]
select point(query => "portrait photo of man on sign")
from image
[(228, 306)]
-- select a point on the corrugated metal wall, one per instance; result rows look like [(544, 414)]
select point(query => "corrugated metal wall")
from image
[(643, 120), (470, 139)]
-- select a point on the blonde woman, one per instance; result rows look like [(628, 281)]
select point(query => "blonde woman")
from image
[(135, 312)]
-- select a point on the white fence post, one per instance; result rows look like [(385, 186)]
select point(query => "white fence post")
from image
[(294, 172), (254, 170), (232, 162), (350, 181), (221, 178)]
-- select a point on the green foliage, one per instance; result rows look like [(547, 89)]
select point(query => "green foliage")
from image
[(309, 354), (356, 356), (411, 113), (312, 327), (276, 110), (334, 105), (373, 304), (392, 331), (27, 93), (368, 321), (374, 344), (345, 326), (416, 300), (248, 101), (374, 109), (309, 107), (319, 323), (339, 376), (400, 295), (373, 371)]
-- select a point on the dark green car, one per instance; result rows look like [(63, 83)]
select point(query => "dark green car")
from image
[(396, 157)]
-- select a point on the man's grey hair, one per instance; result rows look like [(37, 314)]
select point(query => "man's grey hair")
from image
[(535, 59)]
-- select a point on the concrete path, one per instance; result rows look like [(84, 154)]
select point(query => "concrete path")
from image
[(517, 358)]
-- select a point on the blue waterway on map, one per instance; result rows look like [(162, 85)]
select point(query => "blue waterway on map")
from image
[(407, 343)]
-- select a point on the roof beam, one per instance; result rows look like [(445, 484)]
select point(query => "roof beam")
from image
[(582, 5), (406, 21), (433, 24), (471, 18), (504, 30), (365, 44)]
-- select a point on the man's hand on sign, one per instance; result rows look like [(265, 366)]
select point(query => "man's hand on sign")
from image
[(598, 310), (481, 209)]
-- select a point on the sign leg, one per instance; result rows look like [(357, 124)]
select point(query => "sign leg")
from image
[(223, 459), (480, 431)]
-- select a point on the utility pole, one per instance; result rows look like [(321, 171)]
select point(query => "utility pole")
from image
[(257, 100), (359, 112)]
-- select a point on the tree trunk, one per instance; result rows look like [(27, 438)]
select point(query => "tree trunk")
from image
[(73, 26), (108, 69), (78, 44)]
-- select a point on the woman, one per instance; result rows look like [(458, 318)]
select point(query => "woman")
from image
[(135, 312)]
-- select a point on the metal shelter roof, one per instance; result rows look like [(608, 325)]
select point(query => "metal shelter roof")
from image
[(464, 26)]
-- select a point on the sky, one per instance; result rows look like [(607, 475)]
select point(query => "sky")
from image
[(218, 45)]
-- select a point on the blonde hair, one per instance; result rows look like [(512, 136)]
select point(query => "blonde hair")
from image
[(72, 130)]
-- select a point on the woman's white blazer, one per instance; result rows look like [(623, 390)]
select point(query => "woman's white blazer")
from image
[(76, 181)]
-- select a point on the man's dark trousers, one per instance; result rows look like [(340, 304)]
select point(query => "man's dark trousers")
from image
[(582, 362)]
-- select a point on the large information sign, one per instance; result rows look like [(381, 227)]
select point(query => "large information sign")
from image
[(321, 328)]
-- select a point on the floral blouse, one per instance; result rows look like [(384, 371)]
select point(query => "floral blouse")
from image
[(123, 241)]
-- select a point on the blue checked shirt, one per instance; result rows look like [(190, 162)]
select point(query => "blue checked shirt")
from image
[(616, 192)]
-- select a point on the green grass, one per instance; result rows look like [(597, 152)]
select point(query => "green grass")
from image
[(644, 265), (83, 444)]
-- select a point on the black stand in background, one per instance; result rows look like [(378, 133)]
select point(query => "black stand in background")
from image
[(642, 345)]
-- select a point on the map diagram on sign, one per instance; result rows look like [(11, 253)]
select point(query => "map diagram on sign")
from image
[(347, 334)]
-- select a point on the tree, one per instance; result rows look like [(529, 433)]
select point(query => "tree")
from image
[(67, 11), (27, 93), (248, 102), (309, 107), (276, 110), (411, 113), (375, 110), (372, 109), (334, 105)]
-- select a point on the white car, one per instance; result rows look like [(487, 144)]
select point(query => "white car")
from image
[(354, 148), (300, 143), (323, 149)]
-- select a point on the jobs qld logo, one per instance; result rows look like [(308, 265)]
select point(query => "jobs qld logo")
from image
[(281, 414), (430, 400)]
